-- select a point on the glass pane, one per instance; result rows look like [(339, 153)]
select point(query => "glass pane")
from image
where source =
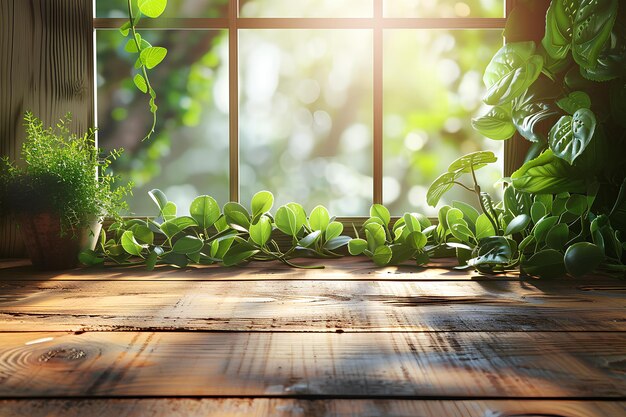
[(175, 8), (433, 87), (306, 117), (188, 155), (443, 8), (306, 8)]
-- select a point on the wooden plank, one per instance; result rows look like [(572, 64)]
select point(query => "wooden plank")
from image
[(281, 407), (349, 268), (326, 306), (47, 67), (309, 365)]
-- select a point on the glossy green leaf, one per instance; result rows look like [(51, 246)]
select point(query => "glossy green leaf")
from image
[(440, 186), (496, 124), (152, 56), (237, 216), (518, 224), (417, 240), (547, 263), (549, 174), (537, 211), (575, 101), (493, 251), (319, 218), (583, 258), (262, 202), (158, 197), (131, 245), (90, 258), (535, 110), (381, 212), (337, 242), (375, 235), (187, 245), (557, 236), (152, 8), (176, 259), (543, 226), (333, 230), (484, 228), (310, 239), (576, 204), (261, 232), (169, 211), (357, 246), (301, 219), (286, 221), (205, 211), (239, 253), (571, 135), (559, 27), (140, 83), (470, 214), (143, 233), (412, 223), (474, 160), (382, 255), (592, 27), (511, 71), (173, 227)]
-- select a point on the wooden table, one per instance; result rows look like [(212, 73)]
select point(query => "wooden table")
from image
[(350, 340)]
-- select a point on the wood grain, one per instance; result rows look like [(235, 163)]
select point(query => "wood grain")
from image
[(280, 407), (325, 306), (46, 66), (356, 365), (349, 268)]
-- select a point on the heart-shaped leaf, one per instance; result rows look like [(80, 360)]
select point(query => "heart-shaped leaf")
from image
[(187, 245), (592, 27), (575, 101), (472, 161), (559, 27), (357, 246), (262, 202), (496, 124), (571, 135), (333, 230), (319, 218), (582, 258), (381, 212), (131, 245), (205, 211), (286, 221), (152, 8), (261, 232), (517, 225), (152, 56), (237, 216), (382, 255)]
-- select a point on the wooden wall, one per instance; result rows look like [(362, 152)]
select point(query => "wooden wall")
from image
[(46, 66)]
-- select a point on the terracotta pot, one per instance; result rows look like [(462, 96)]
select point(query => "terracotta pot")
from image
[(45, 245)]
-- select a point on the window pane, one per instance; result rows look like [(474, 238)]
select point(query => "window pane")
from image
[(306, 117), (444, 8), (433, 87), (188, 155), (175, 8), (306, 8)]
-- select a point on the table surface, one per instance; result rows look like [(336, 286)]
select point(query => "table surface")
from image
[(349, 340)]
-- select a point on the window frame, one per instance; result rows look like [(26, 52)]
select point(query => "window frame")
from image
[(514, 149)]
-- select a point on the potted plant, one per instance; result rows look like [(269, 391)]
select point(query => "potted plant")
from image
[(59, 192)]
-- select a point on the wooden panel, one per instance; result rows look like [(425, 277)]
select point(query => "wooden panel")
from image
[(356, 365), (325, 306), (274, 407), (349, 268), (46, 66)]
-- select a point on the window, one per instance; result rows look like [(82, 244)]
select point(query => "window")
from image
[(335, 102)]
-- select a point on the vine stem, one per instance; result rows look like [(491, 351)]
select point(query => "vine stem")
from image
[(480, 200), (133, 30)]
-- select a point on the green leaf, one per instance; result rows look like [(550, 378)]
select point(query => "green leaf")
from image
[(176, 259), (571, 135), (90, 258), (537, 211), (239, 253), (576, 204), (125, 28), (417, 240), (158, 197), (152, 8), (455, 216), (151, 260), (484, 228), (382, 255), (337, 242), (593, 24), (286, 221), (493, 251), (130, 245), (549, 174), (559, 27), (474, 160), (575, 101), (169, 211), (412, 222), (582, 258), (140, 83), (220, 247), (205, 211), (558, 236), (319, 218), (547, 263), (381, 212), (357, 246), (143, 234), (518, 224), (534, 111), (511, 71), (173, 227), (470, 214), (375, 236), (187, 245), (237, 216), (262, 202), (310, 239), (440, 186), (543, 226), (333, 230), (496, 124), (152, 56), (261, 232), (301, 219), (517, 202)]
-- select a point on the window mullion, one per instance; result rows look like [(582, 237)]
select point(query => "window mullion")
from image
[(233, 97), (378, 104)]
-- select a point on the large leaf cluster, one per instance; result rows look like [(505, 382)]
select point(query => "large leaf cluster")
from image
[(229, 236)]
